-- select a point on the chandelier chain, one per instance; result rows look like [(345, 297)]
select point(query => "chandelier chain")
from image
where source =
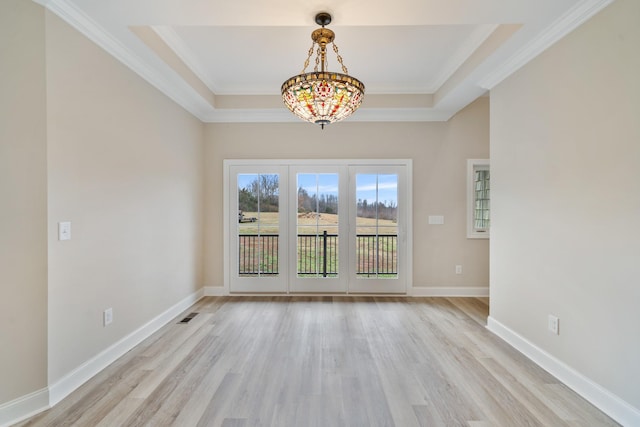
[(306, 63), (320, 96), (318, 55), (335, 49), (317, 60)]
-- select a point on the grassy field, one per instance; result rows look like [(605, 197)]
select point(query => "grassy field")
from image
[(310, 254), (267, 223)]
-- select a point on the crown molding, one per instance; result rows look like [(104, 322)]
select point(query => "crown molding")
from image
[(176, 89), (175, 42), (401, 115), (169, 84), (250, 115), (460, 56), (173, 86), (283, 115), (568, 22)]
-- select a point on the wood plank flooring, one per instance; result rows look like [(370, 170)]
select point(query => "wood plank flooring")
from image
[(325, 361)]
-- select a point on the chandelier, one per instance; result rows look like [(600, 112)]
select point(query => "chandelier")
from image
[(322, 97)]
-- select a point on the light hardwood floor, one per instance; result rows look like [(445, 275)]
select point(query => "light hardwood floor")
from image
[(325, 361)]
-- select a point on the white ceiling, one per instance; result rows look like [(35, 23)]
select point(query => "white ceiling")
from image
[(420, 60)]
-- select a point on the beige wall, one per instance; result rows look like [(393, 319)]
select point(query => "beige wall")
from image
[(23, 212), (565, 153), (439, 152), (126, 168)]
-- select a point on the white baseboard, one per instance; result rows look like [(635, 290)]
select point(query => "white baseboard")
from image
[(420, 291), (24, 407), (603, 399), (74, 379), (449, 291), (214, 291)]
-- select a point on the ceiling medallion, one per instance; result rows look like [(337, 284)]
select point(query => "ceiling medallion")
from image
[(322, 97)]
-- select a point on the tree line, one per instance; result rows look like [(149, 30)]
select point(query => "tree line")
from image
[(381, 210), (325, 203), (264, 191)]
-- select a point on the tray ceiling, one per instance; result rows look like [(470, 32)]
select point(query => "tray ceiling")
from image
[(421, 60)]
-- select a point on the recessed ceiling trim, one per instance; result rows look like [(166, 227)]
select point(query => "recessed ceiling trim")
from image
[(250, 115), (402, 115), (171, 85), (463, 53), (362, 115), (165, 79), (175, 42), (568, 22)]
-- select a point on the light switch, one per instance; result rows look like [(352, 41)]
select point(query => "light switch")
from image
[(436, 219), (64, 230)]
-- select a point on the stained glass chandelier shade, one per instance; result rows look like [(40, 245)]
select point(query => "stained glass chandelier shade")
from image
[(322, 97)]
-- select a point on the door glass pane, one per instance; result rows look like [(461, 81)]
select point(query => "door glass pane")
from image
[(317, 225), (482, 197), (376, 226), (258, 224)]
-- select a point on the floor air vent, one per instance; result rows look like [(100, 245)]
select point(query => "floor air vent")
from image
[(188, 318)]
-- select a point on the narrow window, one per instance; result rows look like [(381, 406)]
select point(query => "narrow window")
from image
[(478, 199)]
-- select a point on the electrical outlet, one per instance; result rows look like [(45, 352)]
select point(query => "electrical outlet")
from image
[(554, 324), (458, 269), (107, 316), (64, 230)]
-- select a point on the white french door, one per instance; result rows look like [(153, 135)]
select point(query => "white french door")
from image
[(317, 226), (258, 209), (378, 229)]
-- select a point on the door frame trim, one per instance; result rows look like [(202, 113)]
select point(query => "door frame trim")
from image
[(226, 166)]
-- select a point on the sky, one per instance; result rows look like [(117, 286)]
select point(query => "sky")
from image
[(387, 185)]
